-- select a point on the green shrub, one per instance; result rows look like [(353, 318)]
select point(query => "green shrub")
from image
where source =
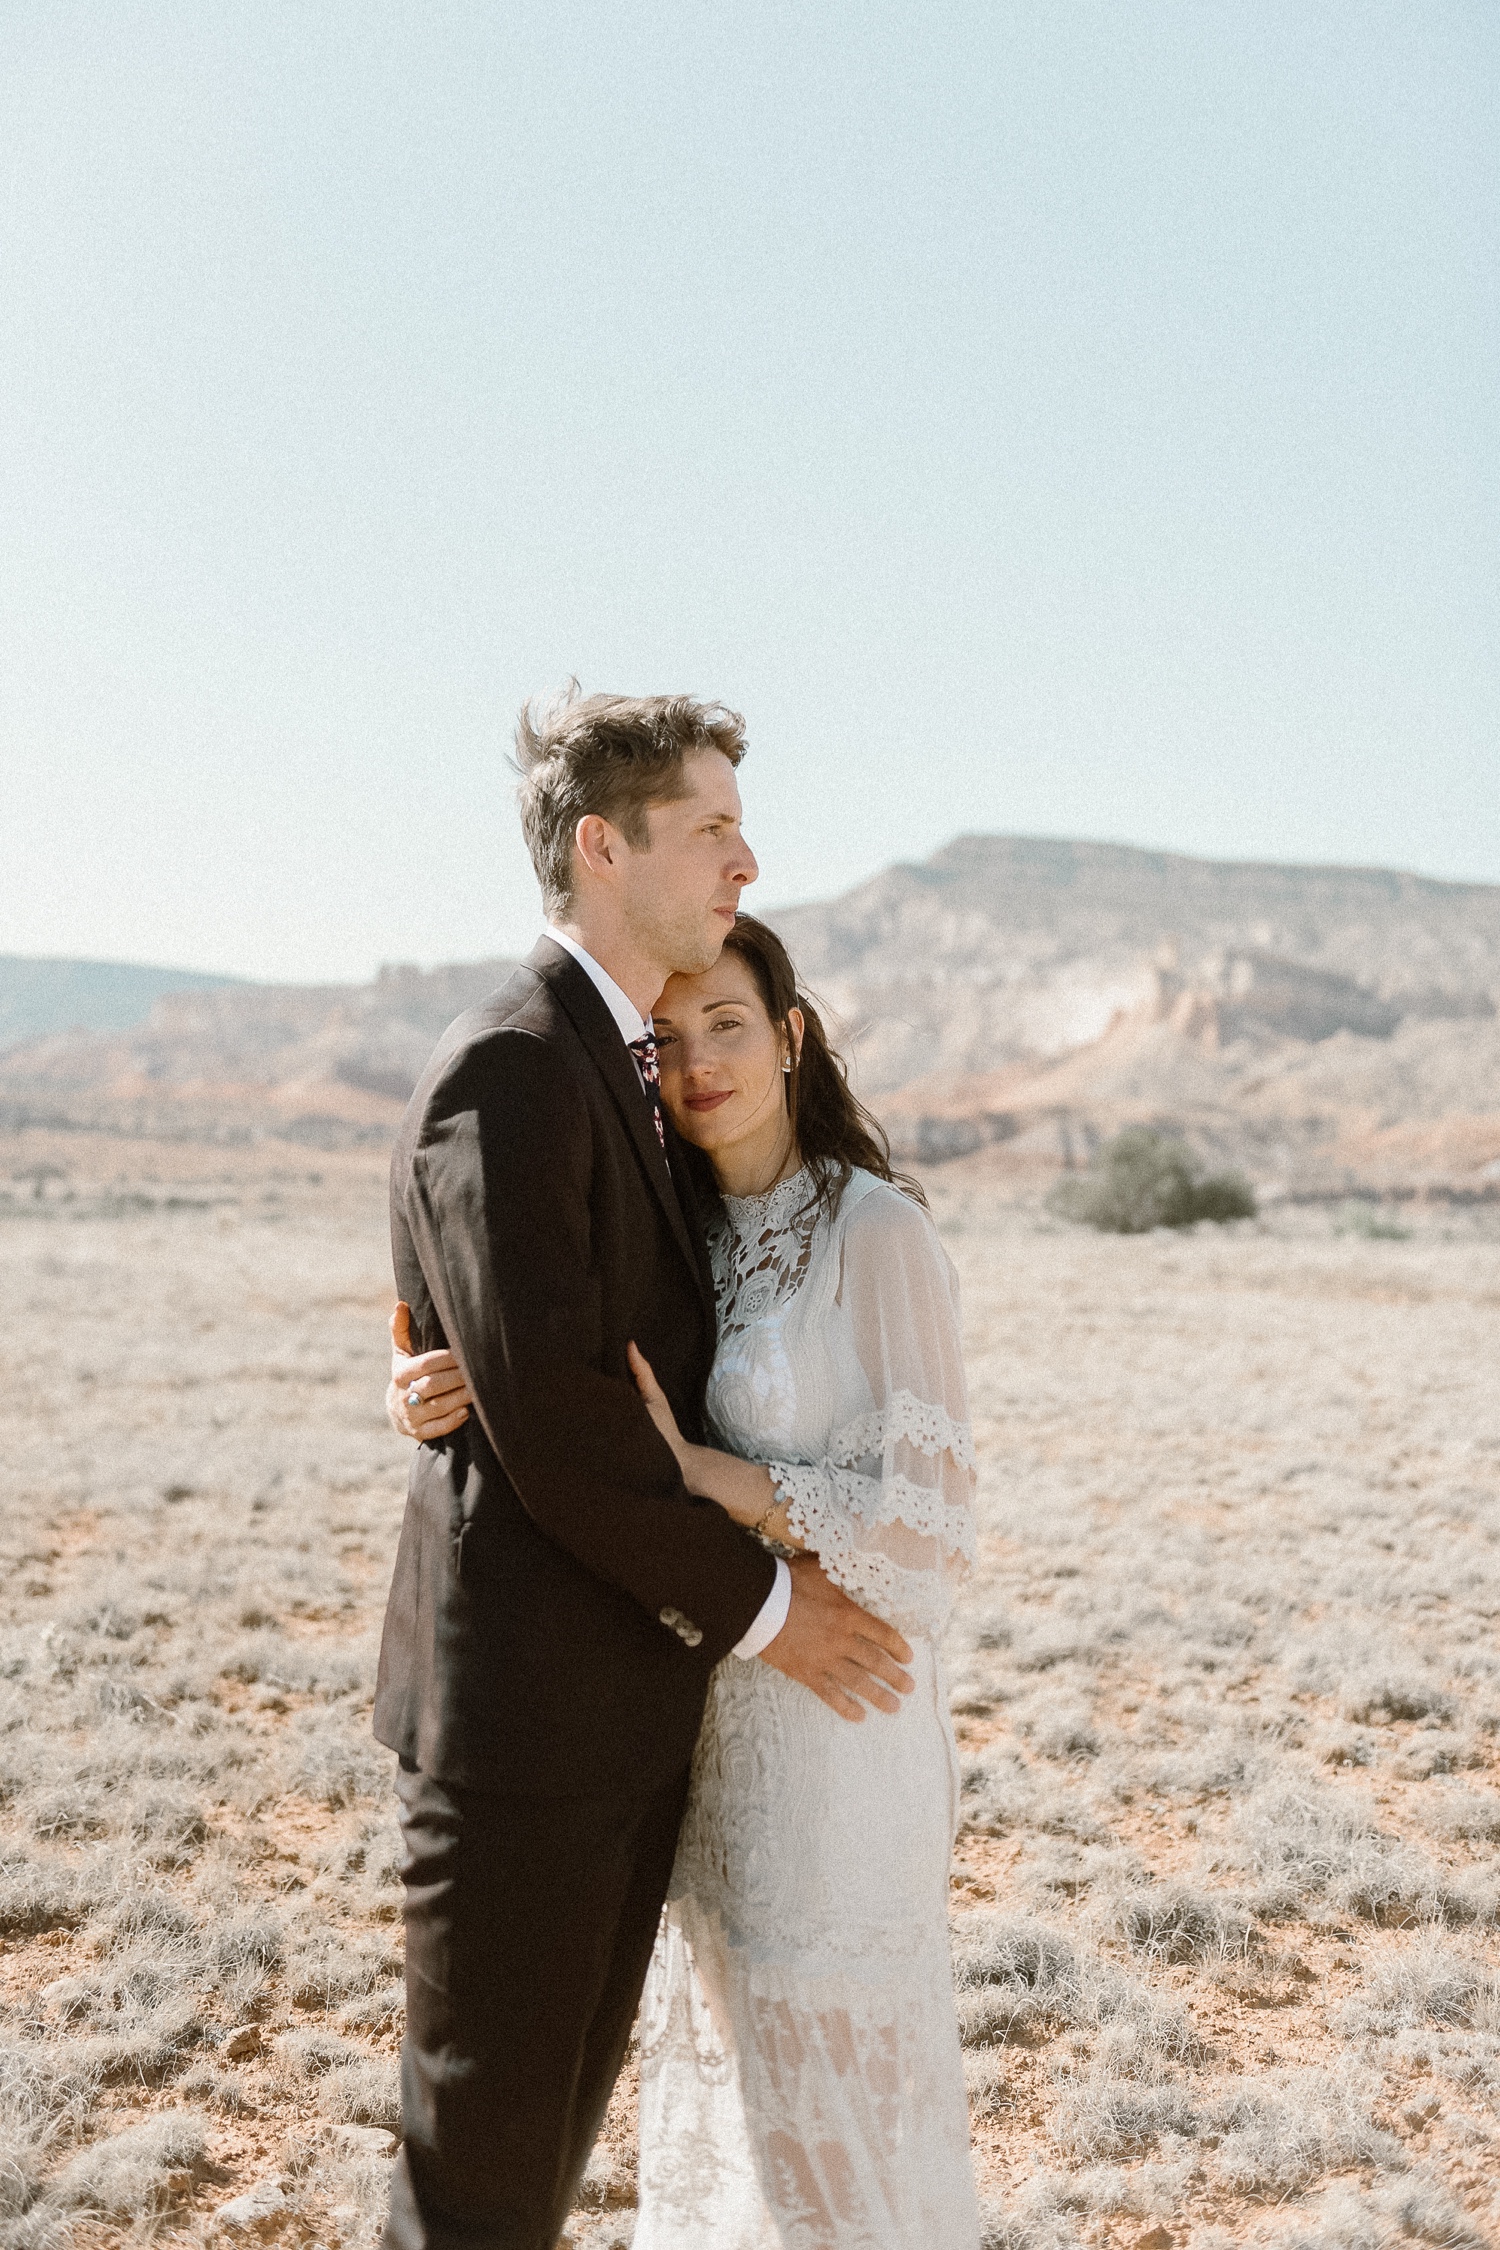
[(1145, 1179), (1370, 1224)]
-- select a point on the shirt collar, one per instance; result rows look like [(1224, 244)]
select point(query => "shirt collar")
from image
[(628, 1018)]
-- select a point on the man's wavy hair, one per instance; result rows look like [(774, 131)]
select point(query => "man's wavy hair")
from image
[(614, 755)]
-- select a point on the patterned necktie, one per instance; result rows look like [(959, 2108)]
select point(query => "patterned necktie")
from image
[(644, 1051)]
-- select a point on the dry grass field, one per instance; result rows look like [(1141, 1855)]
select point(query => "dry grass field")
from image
[(1226, 1902)]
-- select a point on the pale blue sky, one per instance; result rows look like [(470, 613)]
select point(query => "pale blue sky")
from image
[(1073, 418)]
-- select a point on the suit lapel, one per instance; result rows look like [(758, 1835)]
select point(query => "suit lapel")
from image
[(600, 1034)]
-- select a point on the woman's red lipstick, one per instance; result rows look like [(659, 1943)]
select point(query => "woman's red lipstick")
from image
[(706, 1101)]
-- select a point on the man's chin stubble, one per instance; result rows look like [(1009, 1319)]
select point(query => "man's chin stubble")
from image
[(705, 947)]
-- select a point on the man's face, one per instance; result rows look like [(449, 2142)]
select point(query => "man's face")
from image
[(681, 893)]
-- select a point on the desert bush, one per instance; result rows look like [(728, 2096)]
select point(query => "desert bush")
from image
[(1144, 2035), (311, 2053), (1277, 2134), (226, 2089), (380, 2010), (363, 2092), (1174, 1922), (1144, 1179), (1017, 1978), (984, 2076), (333, 1762), (1062, 1730), (1433, 1751), (45, 2098), (75, 1810), (1035, 2219), (1065, 1870), (131, 2174), (1386, 1697), (1004, 1794), (148, 2051), (1012, 1976), (997, 1793), (170, 1823), (266, 1658), (1470, 1814), (1369, 1222), (153, 1914), (1102, 2115), (327, 1968), (354, 2185), (1387, 2216), (1310, 1847), (1427, 1982), (367, 1855), (42, 1894), (1226, 1762), (240, 1955)]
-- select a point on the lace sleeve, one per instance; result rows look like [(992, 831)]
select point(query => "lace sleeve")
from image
[(890, 1509)]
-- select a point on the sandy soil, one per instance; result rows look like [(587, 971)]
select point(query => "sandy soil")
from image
[(1227, 1688)]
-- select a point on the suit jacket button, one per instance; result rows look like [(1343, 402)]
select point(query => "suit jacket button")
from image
[(672, 1617), (692, 1634)]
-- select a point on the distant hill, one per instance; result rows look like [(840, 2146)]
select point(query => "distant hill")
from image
[(1013, 999), (1003, 947), (319, 1063), (1328, 1027), (42, 996)]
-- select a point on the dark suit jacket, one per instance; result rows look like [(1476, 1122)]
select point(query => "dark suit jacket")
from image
[(559, 1598)]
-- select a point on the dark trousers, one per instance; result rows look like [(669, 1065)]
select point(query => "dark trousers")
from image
[(529, 1927)]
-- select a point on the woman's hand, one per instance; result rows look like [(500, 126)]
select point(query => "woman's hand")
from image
[(442, 1402), (658, 1406), (743, 1489)]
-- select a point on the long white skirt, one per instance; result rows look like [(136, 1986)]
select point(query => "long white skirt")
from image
[(802, 2084)]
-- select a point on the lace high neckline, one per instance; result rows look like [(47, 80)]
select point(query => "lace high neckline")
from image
[(775, 1207)]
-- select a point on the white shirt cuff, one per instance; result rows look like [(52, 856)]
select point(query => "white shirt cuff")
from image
[(772, 1615)]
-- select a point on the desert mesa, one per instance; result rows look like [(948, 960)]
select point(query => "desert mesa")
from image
[(1010, 1001)]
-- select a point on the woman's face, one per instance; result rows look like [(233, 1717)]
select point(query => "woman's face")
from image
[(721, 1056)]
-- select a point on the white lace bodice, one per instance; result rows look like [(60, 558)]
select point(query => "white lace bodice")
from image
[(839, 1367)]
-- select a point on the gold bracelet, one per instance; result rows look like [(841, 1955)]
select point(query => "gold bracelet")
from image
[(759, 1528)]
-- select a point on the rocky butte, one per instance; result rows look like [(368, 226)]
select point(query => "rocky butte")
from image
[(1009, 1002)]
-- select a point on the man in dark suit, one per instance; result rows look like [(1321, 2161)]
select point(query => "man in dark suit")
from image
[(559, 1598)]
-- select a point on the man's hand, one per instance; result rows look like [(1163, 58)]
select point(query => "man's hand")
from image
[(838, 1649)]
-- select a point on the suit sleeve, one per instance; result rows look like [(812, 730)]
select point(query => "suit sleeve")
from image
[(498, 1205)]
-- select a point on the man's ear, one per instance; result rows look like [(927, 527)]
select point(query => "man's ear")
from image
[(597, 844)]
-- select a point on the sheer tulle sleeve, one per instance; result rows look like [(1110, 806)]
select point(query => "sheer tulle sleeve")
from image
[(890, 1508)]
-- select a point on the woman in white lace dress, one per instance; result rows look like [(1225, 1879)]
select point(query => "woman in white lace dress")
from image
[(801, 2079)]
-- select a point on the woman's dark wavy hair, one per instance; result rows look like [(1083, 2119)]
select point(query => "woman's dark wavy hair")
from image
[(834, 1131)]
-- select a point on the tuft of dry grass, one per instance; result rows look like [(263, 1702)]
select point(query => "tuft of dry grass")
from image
[(1226, 1685)]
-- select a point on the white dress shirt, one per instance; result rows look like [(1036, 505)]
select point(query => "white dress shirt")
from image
[(633, 1025)]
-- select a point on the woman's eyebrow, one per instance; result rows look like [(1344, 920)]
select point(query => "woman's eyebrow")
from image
[(706, 1008)]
